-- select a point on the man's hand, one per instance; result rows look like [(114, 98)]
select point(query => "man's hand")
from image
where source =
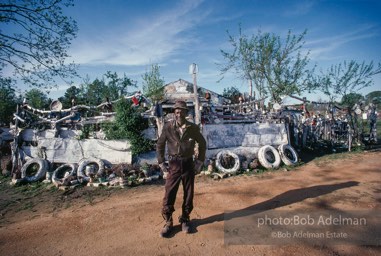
[(198, 166), (163, 167)]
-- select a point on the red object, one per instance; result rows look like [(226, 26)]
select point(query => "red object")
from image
[(135, 101)]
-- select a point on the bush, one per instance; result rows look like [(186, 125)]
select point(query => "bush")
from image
[(128, 125)]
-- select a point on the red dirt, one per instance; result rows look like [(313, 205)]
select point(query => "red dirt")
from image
[(128, 221)]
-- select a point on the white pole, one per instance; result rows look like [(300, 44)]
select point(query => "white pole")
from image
[(193, 70)]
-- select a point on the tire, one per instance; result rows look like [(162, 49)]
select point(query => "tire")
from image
[(219, 166), (288, 154), (86, 161), (269, 157), (41, 172), (59, 173)]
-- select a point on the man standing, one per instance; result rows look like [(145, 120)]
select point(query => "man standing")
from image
[(180, 136)]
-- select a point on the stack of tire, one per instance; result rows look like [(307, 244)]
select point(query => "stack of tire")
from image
[(59, 175), (268, 156)]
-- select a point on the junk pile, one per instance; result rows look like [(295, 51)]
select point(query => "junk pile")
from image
[(88, 172), (240, 137), (228, 163), (333, 127)]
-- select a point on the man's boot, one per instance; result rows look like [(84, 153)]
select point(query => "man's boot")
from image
[(184, 220), (166, 230)]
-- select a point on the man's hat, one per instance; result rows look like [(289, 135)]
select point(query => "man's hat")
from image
[(181, 105)]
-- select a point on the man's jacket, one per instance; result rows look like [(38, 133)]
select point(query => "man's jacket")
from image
[(180, 146)]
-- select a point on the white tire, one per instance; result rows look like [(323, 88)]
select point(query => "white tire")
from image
[(219, 166), (43, 167), (59, 173), (288, 154), (269, 157), (91, 160)]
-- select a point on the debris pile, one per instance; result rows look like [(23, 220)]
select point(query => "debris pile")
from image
[(88, 172)]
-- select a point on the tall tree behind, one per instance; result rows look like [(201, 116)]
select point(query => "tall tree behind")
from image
[(34, 37), (277, 66), (95, 92), (374, 97), (345, 78), (7, 102), (351, 99), (232, 93), (72, 93), (111, 86), (117, 86), (153, 85), (242, 60), (37, 99)]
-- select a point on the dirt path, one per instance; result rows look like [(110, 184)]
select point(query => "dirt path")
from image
[(128, 222)]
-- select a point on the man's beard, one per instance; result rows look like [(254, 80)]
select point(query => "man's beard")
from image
[(180, 120)]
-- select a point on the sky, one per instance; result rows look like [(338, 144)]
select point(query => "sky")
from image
[(128, 36)]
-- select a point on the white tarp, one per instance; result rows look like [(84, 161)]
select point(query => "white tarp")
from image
[(69, 150), (244, 135)]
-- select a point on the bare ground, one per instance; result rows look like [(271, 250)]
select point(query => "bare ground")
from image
[(94, 221)]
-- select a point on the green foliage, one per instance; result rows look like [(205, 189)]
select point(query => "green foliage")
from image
[(72, 93), (7, 102), (111, 87), (87, 129), (128, 125), (232, 93), (374, 97), (153, 85), (351, 99), (117, 86), (277, 66), (345, 78), (37, 99)]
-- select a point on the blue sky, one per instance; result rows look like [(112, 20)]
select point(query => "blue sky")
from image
[(128, 36)]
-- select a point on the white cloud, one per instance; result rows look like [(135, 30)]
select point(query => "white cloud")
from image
[(152, 39), (301, 8), (323, 47)]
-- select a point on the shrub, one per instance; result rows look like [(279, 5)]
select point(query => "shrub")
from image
[(128, 125)]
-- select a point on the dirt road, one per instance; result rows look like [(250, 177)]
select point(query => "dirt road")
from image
[(128, 221)]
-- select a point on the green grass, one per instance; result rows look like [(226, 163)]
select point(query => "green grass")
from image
[(323, 160)]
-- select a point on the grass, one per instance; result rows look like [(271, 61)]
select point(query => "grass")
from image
[(323, 160), (26, 197)]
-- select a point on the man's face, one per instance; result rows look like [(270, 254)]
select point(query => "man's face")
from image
[(180, 115)]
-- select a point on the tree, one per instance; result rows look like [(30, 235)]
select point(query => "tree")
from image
[(8, 101), (111, 87), (277, 66), (345, 78), (37, 99), (72, 93), (232, 93), (242, 59), (117, 86), (34, 39), (153, 85), (351, 99), (373, 97), (95, 92)]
